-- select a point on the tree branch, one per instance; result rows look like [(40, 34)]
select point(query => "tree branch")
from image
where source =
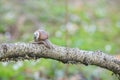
[(23, 51)]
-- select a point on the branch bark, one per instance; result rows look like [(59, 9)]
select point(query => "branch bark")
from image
[(23, 51)]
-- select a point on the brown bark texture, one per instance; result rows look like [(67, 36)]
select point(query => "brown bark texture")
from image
[(28, 51)]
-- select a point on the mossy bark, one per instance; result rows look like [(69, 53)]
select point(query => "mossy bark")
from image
[(23, 51)]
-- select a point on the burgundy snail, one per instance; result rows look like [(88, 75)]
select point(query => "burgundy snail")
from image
[(41, 37)]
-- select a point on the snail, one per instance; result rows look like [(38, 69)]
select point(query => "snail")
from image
[(41, 37)]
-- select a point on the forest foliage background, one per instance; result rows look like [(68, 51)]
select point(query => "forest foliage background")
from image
[(85, 24)]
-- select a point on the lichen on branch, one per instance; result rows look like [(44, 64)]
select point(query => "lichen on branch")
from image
[(29, 51)]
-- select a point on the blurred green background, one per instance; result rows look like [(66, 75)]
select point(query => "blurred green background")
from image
[(85, 24)]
